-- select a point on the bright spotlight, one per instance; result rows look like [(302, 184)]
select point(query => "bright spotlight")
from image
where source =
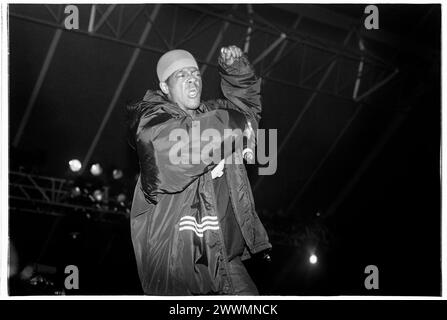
[(98, 195), (117, 174), (313, 259), (96, 169), (75, 165), (121, 197), (76, 192)]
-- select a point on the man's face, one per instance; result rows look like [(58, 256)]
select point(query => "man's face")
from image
[(185, 88)]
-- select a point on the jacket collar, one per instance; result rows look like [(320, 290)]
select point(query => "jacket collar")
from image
[(159, 100)]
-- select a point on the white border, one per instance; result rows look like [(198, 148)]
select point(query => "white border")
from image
[(4, 166)]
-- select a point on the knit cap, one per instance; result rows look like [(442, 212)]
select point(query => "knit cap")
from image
[(172, 61)]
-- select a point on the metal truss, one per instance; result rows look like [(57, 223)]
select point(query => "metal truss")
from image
[(36, 194), (110, 26), (51, 196), (108, 22)]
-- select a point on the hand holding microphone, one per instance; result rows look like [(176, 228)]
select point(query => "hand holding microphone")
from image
[(249, 141)]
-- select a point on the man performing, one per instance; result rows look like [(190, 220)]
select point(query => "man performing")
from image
[(192, 223)]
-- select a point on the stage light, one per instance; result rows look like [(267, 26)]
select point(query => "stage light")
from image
[(75, 165), (121, 197), (98, 195), (74, 235), (75, 192), (96, 169), (117, 174), (313, 259)]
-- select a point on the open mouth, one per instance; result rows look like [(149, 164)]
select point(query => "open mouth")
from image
[(193, 92)]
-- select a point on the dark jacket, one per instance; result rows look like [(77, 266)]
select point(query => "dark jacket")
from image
[(176, 236)]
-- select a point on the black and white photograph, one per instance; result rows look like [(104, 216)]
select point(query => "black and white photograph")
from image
[(223, 149)]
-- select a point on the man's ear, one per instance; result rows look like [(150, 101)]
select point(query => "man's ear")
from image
[(164, 87)]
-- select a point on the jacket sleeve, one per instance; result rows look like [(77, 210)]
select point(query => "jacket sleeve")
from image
[(242, 88), (155, 145)]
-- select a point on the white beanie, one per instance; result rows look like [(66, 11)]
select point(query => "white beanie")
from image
[(172, 61)]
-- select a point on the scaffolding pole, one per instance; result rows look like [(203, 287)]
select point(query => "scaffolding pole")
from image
[(305, 108), (37, 86), (120, 87)]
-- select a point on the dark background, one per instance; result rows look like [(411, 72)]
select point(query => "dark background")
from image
[(374, 201)]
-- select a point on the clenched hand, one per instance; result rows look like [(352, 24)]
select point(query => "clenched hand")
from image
[(230, 54)]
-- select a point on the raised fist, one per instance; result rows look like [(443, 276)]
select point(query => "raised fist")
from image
[(230, 54)]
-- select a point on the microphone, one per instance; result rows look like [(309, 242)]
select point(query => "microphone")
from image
[(249, 141)]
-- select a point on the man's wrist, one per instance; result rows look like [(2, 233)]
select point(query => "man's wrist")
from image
[(240, 66)]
